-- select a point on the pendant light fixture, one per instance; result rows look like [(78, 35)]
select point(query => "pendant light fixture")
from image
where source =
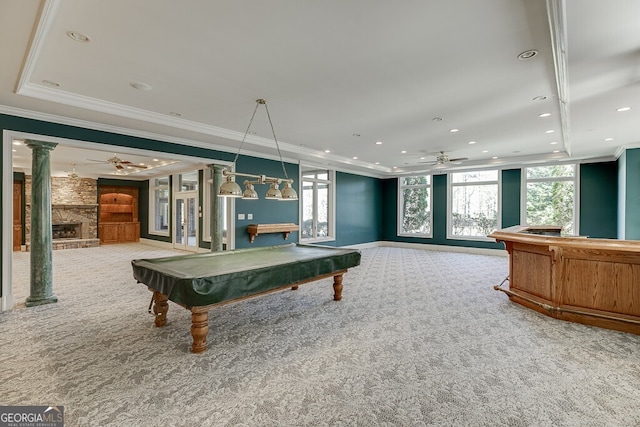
[(230, 188)]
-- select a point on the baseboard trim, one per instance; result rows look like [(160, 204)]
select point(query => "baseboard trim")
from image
[(427, 247)]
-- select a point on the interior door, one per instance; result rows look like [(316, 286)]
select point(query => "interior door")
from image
[(186, 222), (17, 215)]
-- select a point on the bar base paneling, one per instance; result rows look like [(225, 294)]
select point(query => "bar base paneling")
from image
[(590, 281)]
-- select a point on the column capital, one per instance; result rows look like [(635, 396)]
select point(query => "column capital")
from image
[(217, 168), (32, 143)]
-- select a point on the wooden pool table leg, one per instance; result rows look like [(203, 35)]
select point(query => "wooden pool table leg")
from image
[(160, 308), (199, 329), (337, 287)]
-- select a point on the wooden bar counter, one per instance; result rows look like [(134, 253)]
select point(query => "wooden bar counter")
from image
[(590, 281)]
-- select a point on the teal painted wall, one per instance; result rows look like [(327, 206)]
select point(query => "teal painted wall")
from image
[(599, 200), (358, 209), (265, 211), (630, 196), (366, 208), (511, 197), (439, 188)]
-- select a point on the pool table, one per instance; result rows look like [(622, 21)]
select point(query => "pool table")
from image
[(199, 282)]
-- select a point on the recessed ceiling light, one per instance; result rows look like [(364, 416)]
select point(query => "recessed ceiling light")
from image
[(608, 139), (485, 151), (355, 157), (454, 130), (141, 164), (156, 160), (50, 83), (422, 158), (377, 163), (14, 150), (494, 157), (527, 54), (378, 142), (140, 86), (556, 151), (79, 37), (471, 142), (539, 98), (327, 151), (549, 131), (395, 167), (621, 109), (544, 114), (17, 142), (553, 142), (403, 152), (175, 114)]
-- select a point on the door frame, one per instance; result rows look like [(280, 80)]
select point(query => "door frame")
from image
[(185, 195)]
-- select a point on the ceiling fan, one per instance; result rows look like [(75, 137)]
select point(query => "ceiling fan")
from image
[(119, 163), (442, 159), (73, 174)]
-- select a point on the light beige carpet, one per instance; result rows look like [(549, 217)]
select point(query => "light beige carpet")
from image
[(420, 338)]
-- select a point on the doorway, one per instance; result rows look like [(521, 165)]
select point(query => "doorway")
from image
[(186, 222)]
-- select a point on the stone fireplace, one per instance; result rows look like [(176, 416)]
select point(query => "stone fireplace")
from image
[(74, 212)]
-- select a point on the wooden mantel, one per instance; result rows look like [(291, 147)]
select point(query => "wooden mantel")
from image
[(255, 229)]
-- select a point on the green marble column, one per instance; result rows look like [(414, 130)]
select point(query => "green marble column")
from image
[(217, 216), (41, 234)]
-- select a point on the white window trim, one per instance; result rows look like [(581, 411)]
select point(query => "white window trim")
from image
[(576, 193), (400, 205), (331, 183), (152, 208), (450, 186)]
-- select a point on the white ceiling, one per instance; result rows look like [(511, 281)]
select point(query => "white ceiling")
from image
[(334, 69)]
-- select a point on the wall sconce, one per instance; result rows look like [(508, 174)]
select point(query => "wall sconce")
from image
[(230, 188)]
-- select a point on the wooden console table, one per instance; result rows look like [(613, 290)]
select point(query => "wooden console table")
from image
[(590, 281), (255, 229)]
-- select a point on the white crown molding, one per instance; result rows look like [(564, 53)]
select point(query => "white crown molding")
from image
[(556, 12)]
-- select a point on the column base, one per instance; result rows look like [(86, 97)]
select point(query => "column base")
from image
[(34, 301)]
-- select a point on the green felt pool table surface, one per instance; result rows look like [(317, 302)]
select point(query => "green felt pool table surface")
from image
[(211, 278)]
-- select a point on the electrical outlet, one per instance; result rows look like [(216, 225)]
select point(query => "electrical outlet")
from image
[(240, 217), (249, 216)]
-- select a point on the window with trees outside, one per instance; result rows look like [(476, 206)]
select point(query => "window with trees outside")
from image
[(550, 196), (317, 204), (474, 208), (159, 206), (414, 203)]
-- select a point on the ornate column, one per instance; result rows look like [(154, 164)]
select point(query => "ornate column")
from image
[(217, 216), (41, 234)]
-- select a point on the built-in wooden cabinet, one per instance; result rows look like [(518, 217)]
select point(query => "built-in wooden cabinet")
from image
[(118, 207)]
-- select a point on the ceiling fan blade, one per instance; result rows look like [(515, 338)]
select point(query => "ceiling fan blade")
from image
[(119, 167), (99, 161), (131, 165), (460, 159)]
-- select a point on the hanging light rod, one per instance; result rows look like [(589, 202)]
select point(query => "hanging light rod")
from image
[(230, 188)]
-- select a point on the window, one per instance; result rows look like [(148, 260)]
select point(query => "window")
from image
[(550, 196), (159, 206), (206, 218), (473, 204), (414, 203), (317, 204)]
